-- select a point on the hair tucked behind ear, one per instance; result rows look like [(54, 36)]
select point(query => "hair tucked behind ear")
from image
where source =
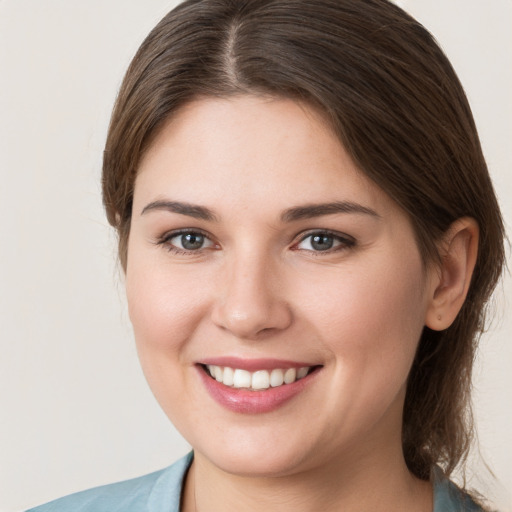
[(398, 108)]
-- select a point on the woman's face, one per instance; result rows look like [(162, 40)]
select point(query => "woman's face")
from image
[(256, 245)]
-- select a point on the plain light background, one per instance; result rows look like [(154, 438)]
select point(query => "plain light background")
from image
[(75, 410)]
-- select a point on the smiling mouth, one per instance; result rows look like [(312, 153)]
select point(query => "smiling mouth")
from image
[(259, 380)]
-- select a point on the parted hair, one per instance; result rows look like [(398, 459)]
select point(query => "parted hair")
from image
[(397, 106)]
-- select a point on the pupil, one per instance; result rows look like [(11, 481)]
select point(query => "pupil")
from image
[(192, 241), (322, 242)]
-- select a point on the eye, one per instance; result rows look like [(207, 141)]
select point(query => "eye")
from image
[(323, 241), (186, 241)]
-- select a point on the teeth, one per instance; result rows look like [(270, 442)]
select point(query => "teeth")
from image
[(290, 375), (258, 380), (218, 373), (302, 372), (276, 378), (228, 378), (242, 379)]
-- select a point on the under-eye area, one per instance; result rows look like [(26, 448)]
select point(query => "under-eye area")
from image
[(259, 380)]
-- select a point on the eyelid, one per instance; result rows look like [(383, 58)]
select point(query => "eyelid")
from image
[(347, 241), (182, 231), (165, 238)]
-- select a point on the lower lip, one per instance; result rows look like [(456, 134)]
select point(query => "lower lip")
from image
[(253, 402)]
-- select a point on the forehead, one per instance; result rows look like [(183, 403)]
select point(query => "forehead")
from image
[(249, 149)]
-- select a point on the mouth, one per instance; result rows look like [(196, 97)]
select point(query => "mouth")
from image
[(254, 387), (258, 380)]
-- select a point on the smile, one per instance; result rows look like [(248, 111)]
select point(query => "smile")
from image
[(258, 380), (260, 386)]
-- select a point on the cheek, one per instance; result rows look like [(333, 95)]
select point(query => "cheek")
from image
[(372, 322), (165, 307), (165, 310), (371, 318)]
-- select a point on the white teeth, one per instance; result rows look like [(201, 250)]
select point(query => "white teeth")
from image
[(276, 378), (218, 373), (242, 379), (258, 380), (290, 375), (229, 373)]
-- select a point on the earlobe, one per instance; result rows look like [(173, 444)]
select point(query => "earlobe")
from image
[(458, 251)]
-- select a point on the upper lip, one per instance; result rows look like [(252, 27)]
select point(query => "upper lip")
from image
[(252, 365)]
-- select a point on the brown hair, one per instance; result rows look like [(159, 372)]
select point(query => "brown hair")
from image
[(398, 108)]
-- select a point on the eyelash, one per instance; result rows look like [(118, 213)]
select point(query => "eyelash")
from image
[(345, 241), (165, 239)]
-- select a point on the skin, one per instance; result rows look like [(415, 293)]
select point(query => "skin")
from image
[(258, 288)]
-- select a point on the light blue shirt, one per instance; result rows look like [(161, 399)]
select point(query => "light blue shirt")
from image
[(161, 492)]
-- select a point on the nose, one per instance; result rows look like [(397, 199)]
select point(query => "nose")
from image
[(250, 304)]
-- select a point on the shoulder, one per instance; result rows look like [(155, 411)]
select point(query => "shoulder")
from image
[(156, 492), (450, 498)]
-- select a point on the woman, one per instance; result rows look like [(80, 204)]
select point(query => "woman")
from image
[(303, 211)]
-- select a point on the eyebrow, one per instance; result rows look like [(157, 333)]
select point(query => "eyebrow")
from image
[(309, 211), (192, 210)]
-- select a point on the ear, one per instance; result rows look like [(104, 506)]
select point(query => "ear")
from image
[(450, 281)]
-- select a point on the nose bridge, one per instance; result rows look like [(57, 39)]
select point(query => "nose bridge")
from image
[(251, 300)]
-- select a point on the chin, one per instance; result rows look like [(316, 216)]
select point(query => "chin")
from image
[(258, 456), (263, 465)]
